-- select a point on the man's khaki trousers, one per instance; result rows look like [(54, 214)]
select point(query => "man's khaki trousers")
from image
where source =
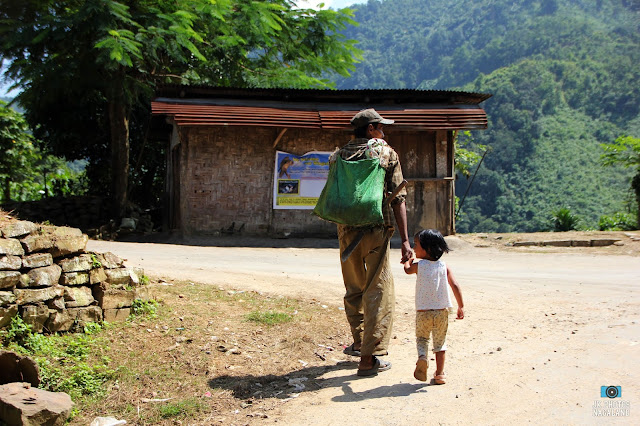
[(369, 300)]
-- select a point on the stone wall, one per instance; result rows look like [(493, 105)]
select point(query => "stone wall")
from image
[(82, 212), (48, 278)]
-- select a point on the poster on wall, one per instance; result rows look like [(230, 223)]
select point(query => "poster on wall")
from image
[(299, 179)]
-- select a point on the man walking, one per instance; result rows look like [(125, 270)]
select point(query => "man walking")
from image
[(369, 300)]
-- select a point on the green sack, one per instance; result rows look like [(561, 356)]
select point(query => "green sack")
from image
[(353, 193)]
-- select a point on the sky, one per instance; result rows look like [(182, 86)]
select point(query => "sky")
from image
[(335, 4)]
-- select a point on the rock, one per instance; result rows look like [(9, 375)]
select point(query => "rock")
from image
[(26, 296), (18, 229), (59, 320), (83, 316), (109, 298), (120, 276), (74, 278), (116, 315), (9, 279), (6, 313), (82, 263), (56, 303), (110, 260), (75, 297), (69, 245), (97, 276), (21, 404), (37, 260), (16, 368), (525, 243), (11, 247), (107, 421), (557, 243), (10, 262), (42, 277), (601, 242), (35, 316), (7, 298), (34, 243), (581, 243)]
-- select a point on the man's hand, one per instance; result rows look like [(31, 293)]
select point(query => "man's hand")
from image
[(407, 252), (460, 313)]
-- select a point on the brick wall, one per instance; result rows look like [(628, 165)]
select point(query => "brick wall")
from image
[(227, 177)]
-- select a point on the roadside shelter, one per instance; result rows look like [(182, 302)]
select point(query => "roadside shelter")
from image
[(225, 152)]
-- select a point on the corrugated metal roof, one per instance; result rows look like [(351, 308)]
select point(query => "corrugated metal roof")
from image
[(326, 109)]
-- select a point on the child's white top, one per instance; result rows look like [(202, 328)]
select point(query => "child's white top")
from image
[(432, 286)]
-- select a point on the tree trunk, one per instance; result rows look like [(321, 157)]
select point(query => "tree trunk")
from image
[(7, 189), (119, 125)]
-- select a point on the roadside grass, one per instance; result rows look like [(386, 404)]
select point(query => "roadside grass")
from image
[(195, 354)]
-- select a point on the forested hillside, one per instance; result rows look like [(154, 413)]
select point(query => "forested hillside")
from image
[(564, 79)]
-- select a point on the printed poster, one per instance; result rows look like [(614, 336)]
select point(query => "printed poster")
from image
[(299, 180)]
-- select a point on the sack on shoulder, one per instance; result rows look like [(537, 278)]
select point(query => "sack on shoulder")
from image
[(353, 193)]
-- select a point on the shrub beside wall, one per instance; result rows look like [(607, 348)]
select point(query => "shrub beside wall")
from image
[(48, 278)]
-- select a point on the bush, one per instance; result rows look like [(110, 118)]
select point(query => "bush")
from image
[(618, 222), (564, 220)]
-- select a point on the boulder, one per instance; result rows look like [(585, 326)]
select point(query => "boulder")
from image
[(97, 276), (37, 260), (80, 263), (10, 262), (35, 242), (17, 368), (6, 313), (11, 247), (7, 298), (74, 278), (85, 315), (59, 320), (9, 279), (26, 296), (120, 276), (75, 297), (42, 277), (18, 229), (35, 316), (69, 245), (109, 260), (21, 404), (110, 298)]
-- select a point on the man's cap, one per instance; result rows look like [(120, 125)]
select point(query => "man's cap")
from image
[(367, 116)]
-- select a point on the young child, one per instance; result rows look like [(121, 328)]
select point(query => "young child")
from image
[(432, 300)]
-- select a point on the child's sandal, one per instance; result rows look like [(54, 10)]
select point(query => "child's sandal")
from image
[(440, 379), (420, 372)]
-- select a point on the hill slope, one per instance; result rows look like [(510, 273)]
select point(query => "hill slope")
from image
[(564, 81)]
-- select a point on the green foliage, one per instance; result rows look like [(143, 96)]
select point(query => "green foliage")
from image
[(180, 409), (618, 222), (564, 220), (269, 317), (563, 79), (88, 69), (62, 359), (27, 172), (144, 280), (147, 308)]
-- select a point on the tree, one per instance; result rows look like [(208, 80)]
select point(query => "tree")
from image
[(103, 58), (625, 150), (19, 152)]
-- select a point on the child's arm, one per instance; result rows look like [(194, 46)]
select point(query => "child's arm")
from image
[(457, 292), (410, 267)]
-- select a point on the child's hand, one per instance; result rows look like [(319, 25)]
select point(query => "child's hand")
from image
[(460, 313)]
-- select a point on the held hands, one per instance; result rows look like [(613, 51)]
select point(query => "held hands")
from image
[(407, 252)]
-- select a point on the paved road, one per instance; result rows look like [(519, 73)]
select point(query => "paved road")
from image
[(542, 333)]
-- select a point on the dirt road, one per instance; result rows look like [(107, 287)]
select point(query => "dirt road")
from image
[(543, 332)]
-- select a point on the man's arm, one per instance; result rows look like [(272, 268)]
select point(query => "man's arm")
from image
[(400, 213)]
